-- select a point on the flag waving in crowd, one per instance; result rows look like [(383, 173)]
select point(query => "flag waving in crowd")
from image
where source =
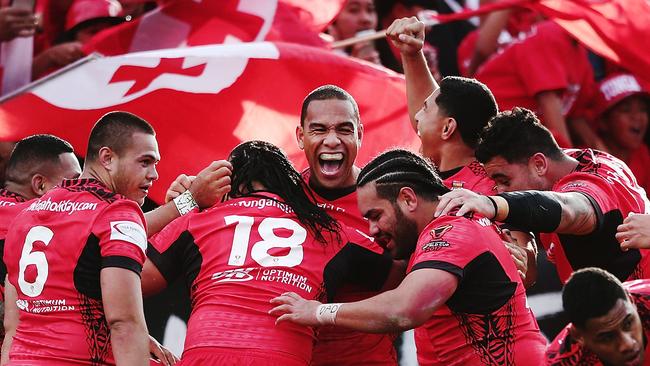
[(205, 100)]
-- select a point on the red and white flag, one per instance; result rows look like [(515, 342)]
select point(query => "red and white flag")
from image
[(204, 100), (182, 23)]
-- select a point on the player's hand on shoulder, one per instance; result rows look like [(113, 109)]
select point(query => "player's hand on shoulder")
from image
[(407, 35), (634, 232), (165, 356), (466, 201), (292, 307), (212, 183)]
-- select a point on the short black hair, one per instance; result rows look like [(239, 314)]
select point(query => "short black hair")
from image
[(263, 162), (31, 152), (591, 293), (516, 136), (470, 103), (327, 92), (114, 130), (397, 168)]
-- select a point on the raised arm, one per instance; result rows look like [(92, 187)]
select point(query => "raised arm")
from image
[(203, 191), (408, 306), (407, 35)]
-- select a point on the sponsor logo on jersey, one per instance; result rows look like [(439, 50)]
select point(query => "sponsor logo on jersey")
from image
[(130, 232), (62, 206), (435, 245), (263, 203), (234, 275), (330, 207), (22, 305), (440, 231), (484, 221), (44, 306), (7, 203)]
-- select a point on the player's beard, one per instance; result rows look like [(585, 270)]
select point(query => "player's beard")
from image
[(405, 235)]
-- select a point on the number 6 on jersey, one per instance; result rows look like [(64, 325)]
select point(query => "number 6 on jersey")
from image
[(27, 257)]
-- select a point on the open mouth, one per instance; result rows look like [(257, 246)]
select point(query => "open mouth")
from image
[(330, 163), (634, 360)]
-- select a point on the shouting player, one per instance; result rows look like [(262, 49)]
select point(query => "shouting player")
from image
[(463, 295)]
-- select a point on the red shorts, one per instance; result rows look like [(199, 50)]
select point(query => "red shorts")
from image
[(237, 357)]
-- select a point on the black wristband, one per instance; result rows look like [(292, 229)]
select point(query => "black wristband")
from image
[(533, 211), (496, 208)]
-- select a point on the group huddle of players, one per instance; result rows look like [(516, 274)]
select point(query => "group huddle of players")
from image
[(326, 266)]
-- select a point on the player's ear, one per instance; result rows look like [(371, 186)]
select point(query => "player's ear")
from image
[(359, 131), (576, 334), (408, 198), (300, 133), (449, 128), (106, 157), (38, 184), (539, 164)]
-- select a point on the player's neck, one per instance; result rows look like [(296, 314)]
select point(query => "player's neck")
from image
[(20, 189), (562, 167), (90, 171), (455, 155)]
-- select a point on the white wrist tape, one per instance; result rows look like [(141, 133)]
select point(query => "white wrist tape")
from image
[(326, 313), (185, 202)]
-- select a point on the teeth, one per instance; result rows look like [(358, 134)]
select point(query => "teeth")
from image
[(335, 156)]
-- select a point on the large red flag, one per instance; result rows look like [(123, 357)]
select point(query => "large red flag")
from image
[(204, 100), (615, 29), (181, 23)]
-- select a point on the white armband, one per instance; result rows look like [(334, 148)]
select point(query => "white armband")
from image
[(185, 202), (326, 313)]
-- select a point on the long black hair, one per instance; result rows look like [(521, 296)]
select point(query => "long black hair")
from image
[(265, 163)]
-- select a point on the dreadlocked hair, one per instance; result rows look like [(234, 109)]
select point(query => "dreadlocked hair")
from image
[(395, 169), (262, 162)]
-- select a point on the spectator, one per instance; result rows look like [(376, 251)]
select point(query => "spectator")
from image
[(391, 10), (356, 16), (17, 27), (84, 19), (610, 321), (622, 119), (547, 72)]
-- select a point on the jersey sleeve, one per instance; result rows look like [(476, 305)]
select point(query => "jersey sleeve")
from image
[(449, 244), (166, 248), (358, 264), (122, 236), (597, 189)]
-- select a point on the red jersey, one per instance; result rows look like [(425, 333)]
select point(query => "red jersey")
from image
[(565, 351), (10, 206), (610, 186), (54, 254), (548, 59), (486, 321), (340, 346), (238, 255), (471, 176)]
